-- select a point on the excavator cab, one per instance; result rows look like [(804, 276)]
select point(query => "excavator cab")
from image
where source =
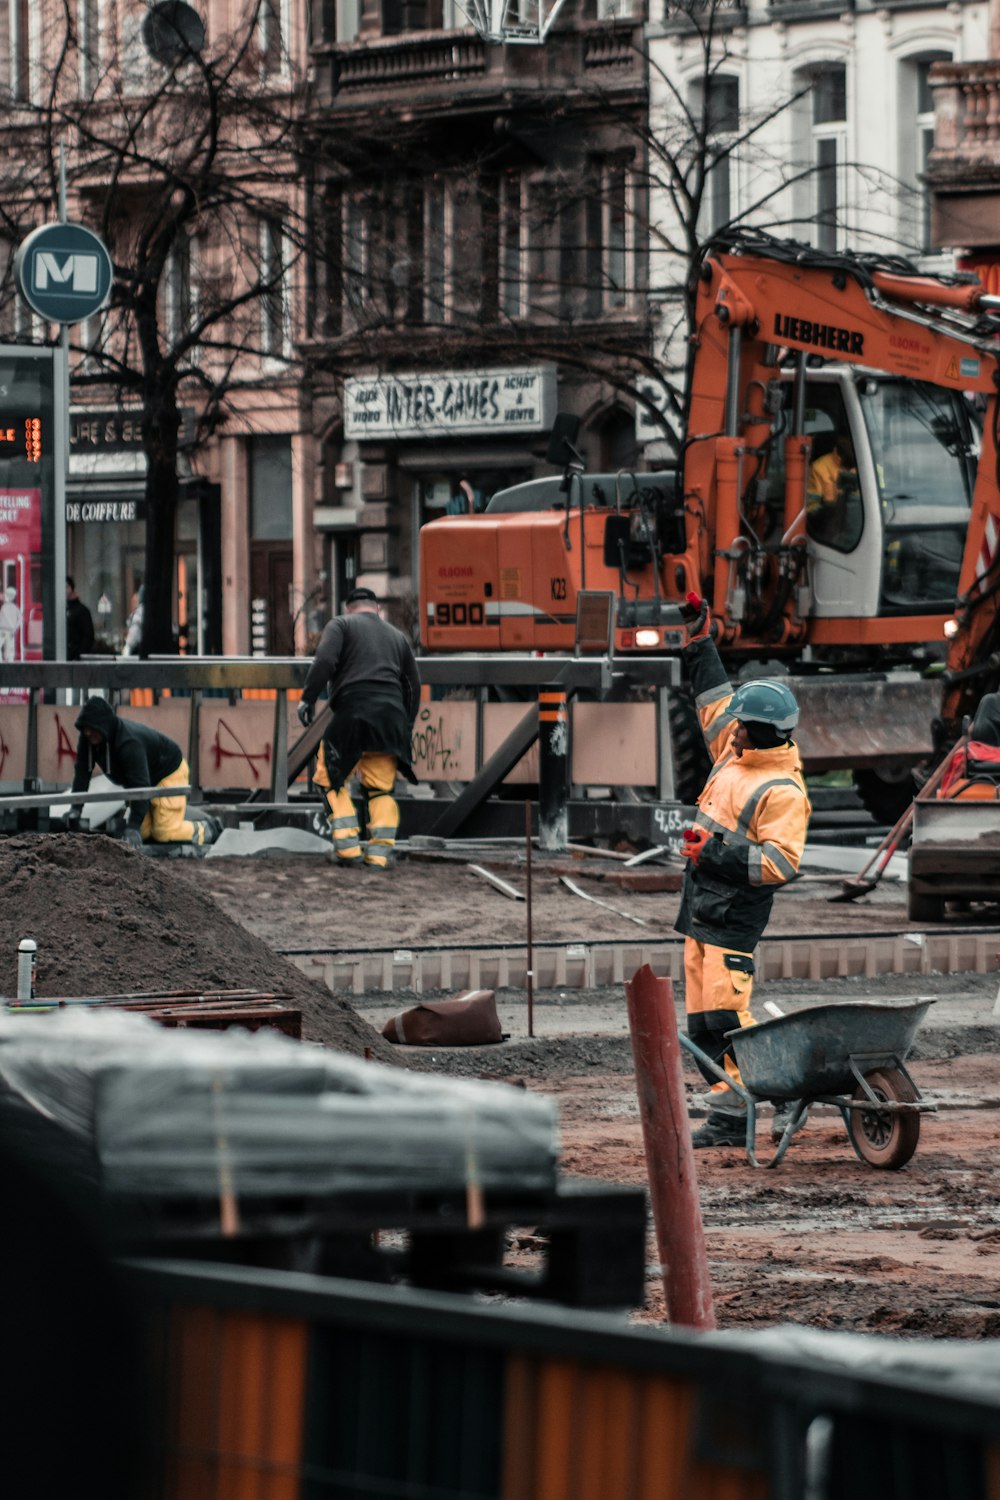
[(888, 491)]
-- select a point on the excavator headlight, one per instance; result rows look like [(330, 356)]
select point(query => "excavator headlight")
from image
[(950, 629), (647, 637)]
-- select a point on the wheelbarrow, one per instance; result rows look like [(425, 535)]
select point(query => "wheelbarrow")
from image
[(849, 1055)]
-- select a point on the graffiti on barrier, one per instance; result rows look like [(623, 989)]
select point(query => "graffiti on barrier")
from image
[(225, 738), (431, 745), (65, 743)]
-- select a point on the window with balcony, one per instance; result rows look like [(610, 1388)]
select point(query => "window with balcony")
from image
[(393, 264), (410, 15)]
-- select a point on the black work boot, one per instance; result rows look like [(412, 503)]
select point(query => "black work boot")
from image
[(721, 1130)]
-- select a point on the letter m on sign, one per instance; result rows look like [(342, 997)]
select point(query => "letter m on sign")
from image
[(77, 273)]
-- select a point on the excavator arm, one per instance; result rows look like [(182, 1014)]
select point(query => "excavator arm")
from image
[(763, 304)]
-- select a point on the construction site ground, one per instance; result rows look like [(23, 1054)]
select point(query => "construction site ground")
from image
[(823, 1240)]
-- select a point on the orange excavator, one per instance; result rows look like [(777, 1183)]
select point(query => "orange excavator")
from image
[(836, 499)]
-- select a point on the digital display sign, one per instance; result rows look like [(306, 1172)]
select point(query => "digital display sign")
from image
[(29, 596), (22, 434)]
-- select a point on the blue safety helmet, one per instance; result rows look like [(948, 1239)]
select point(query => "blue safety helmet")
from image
[(764, 701)]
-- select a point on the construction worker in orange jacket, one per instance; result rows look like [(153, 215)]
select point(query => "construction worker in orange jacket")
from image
[(747, 840)]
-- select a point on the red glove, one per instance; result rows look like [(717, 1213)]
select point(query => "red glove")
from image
[(695, 840), (700, 627)]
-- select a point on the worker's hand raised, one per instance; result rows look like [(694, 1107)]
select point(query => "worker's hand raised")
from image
[(305, 712), (694, 841), (700, 625)]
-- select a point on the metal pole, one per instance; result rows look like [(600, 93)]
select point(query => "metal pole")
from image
[(673, 1186), (553, 768), (527, 899), (60, 451)]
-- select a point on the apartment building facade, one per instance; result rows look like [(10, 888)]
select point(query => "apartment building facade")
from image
[(484, 266), (179, 151), (813, 119)]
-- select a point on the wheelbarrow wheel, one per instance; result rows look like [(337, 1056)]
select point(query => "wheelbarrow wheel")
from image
[(885, 1138)]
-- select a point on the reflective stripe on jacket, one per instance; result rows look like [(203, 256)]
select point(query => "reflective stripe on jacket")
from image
[(757, 808)]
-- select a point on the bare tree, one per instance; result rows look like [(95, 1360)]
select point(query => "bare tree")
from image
[(189, 168)]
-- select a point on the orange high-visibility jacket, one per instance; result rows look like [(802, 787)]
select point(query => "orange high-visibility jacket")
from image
[(756, 807)]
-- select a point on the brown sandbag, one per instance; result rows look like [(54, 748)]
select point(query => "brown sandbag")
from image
[(467, 1020)]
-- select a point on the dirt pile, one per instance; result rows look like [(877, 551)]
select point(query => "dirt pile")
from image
[(109, 920)]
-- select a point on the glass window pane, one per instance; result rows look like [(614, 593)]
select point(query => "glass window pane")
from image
[(616, 232), (270, 488), (826, 194), (925, 94), (723, 105), (829, 94)]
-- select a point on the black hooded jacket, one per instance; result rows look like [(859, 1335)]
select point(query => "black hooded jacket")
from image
[(986, 725), (132, 754)]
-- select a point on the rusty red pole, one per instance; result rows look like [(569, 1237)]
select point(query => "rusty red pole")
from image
[(673, 1186)]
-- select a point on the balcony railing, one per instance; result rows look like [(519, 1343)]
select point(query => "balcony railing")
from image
[(966, 114), (386, 65), (396, 63)]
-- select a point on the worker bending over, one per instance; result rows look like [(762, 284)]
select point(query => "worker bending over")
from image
[(748, 836), (133, 755), (368, 669)]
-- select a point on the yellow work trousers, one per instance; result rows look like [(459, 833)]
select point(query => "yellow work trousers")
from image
[(377, 774), (718, 983), (165, 823)]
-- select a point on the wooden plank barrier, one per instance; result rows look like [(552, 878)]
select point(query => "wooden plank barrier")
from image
[(279, 1386)]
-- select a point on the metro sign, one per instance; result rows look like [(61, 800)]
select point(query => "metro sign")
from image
[(77, 274), (63, 272)]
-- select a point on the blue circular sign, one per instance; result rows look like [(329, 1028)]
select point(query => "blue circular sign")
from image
[(63, 272)]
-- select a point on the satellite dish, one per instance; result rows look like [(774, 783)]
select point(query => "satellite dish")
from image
[(172, 31)]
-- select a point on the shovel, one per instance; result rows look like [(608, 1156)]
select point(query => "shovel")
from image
[(868, 878)]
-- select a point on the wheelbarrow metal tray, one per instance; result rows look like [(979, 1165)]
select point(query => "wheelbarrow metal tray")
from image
[(808, 1054)]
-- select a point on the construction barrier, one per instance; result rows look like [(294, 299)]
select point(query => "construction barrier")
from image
[(279, 1386)]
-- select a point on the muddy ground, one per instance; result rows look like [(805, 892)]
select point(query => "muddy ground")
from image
[(824, 1240)]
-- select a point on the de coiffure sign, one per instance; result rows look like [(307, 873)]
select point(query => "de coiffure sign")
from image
[(441, 404)]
